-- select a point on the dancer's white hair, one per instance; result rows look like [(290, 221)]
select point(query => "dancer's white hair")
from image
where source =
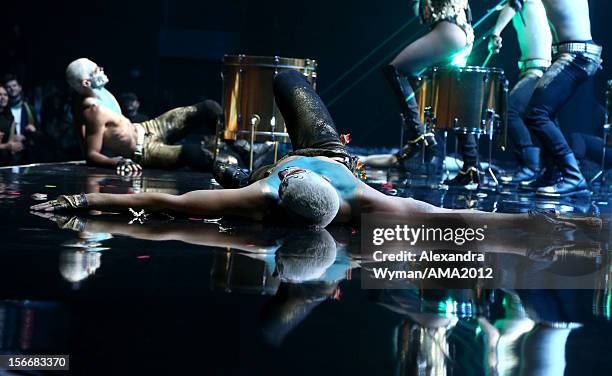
[(309, 199), (305, 256), (79, 70)]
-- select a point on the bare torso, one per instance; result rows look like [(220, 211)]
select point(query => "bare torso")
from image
[(119, 136), (534, 36), (570, 19)]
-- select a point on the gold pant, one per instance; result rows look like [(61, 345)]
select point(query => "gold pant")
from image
[(162, 132)]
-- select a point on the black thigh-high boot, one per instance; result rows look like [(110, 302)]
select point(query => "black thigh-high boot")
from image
[(409, 109)]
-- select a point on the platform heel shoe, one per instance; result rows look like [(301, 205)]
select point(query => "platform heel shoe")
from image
[(571, 183), (468, 179), (424, 143)]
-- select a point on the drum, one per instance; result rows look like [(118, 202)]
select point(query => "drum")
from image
[(248, 99), (468, 99)]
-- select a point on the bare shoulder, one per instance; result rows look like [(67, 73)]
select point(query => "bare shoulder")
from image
[(96, 114), (259, 192), (91, 109), (89, 101), (371, 201)]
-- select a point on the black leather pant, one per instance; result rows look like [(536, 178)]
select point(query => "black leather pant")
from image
[(309, 124), (554, 89)]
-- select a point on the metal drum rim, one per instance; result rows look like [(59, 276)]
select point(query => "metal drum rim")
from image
[(296, 67), (470, 68), (242, 60)]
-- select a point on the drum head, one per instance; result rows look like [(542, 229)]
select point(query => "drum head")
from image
[(268, 62)]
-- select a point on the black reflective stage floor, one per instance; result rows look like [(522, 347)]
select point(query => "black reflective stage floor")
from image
[(175, 294)]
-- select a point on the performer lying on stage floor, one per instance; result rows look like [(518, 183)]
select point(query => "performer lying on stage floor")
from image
[(313, 186), (110, 140)]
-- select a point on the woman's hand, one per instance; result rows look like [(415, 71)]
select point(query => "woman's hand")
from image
[(64, 202), (70, 222), (553, 221)]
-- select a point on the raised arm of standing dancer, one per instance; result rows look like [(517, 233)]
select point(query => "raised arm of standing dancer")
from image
[(505, 17)]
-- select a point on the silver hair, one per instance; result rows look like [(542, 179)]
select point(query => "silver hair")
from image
[(305, 256), (79, 70), (311, 200)]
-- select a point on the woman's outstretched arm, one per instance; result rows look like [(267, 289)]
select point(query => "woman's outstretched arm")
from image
[(248, 202), (373, 201)]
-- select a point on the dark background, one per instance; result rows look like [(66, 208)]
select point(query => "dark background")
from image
[(169, 52)]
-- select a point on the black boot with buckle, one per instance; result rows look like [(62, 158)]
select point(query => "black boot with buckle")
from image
[(571, 183), (466, 178), (230, 176)]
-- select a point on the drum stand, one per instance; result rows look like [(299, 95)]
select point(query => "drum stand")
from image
[(602, 172), (428, 126), (489, 128), (253, 122), (445, 171)]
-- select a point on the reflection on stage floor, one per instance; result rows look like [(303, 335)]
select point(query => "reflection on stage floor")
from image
[(161, 294)]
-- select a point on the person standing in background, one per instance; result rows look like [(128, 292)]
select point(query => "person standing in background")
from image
[(576, 58), (23, 117), (9, 142), (535, 42), (450, 33), (130, 106)]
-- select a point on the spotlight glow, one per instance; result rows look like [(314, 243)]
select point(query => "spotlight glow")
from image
[(460, 59)]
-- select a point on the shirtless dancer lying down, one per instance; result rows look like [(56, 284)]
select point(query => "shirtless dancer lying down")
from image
[(313, 186)]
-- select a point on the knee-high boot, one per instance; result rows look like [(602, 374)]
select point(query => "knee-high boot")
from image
[(571, 183), (414, 128)]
